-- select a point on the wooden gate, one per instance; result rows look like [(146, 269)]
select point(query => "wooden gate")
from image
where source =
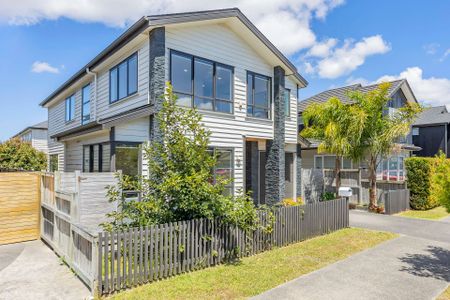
[(19, 207)]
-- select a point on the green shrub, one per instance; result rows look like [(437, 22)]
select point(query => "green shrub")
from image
[(440, 181), (419, 172), (327, 196), (16, 154)]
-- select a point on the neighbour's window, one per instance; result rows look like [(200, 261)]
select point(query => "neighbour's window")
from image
[(329, 162), (128, 158), (415, 131), (123, 79), (70, 108), (201, 83), (258, 95), (53, 162), (86, 104), (224, 167), (392, 168), (287, 102)]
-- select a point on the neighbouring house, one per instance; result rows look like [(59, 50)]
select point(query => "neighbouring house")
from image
[(318, 168), (217, 61), (430, 132), (36, 135)]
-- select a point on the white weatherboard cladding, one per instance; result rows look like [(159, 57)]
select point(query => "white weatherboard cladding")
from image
[(74, 150), (39, 140), (105, 109), (57, 116), (219, 43)]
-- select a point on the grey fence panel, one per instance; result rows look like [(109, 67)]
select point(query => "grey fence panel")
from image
[(396, 201), (141, 255)]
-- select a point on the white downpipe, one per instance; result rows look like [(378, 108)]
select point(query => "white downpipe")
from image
[(95, 93)]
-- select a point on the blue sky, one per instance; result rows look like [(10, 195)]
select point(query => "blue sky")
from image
[(332, 42)]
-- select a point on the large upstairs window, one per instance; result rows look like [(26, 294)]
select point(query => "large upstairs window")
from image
[(70, 108), (86, 104), (258, 95), (123, 79), (201, 83)]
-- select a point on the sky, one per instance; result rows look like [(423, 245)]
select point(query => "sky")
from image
[(333, 43)]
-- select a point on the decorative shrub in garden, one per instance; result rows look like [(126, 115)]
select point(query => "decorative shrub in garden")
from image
[(440, 181), (419, 171)]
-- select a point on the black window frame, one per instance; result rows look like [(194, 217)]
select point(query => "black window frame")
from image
[(231, 150), (215, 64), (68, 103), (132, 144), (83, 121), (90, 148), (116, 68), (53, 165), (288, 107), (269, 108)]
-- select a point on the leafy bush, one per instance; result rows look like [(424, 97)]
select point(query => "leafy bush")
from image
[(16, 154), (440, 181), (327, 196), (181, 185), (291, 202), (419, 172)]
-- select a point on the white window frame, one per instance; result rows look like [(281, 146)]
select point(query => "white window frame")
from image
[(387, 171)]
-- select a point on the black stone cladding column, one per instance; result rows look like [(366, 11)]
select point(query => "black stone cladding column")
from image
[(157, 74), (275, 152), (298, 166)]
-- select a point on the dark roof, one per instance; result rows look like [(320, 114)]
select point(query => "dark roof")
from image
[(433, 115), (161, 20), (341, 93), (41, 125)]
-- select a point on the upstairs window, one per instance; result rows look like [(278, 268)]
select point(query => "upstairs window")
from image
[(123, 79), (86, 104), (201, 83), (258, 95), (70, 108), (287, 102)]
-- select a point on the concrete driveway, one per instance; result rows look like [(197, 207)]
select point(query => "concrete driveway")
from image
[(414, 266), (31, 270)]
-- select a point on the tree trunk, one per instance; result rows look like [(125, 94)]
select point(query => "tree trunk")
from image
[(373, 183), (338, 173)]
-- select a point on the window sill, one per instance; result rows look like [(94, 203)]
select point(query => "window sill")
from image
[(117, 102), (70, 122)]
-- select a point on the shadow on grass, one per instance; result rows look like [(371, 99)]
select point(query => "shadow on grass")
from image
[(436, 264)]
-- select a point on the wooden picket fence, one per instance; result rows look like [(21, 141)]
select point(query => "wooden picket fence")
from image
[(140, 255)]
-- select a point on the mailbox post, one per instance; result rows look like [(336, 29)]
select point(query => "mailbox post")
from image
[(345, 192)]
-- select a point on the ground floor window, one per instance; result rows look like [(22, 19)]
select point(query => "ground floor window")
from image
[(224, 167), (53, 162), (329, 162), (392, 168), (128, 158), (96, 158)]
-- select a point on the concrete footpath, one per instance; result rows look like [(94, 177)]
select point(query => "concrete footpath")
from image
[(414, 266), (31, 270)]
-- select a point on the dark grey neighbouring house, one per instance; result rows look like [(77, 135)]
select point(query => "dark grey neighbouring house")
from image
[(430, 132), (318, 168)]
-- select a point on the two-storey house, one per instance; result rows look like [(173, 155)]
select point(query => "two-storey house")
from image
[(218, 62), (36, 135)]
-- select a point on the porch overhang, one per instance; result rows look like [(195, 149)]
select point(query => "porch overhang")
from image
[(78, 131)]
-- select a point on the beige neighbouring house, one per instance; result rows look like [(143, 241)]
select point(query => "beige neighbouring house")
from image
[(217, 61)]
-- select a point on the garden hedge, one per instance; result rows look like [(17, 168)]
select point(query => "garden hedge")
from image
[(419, 171)]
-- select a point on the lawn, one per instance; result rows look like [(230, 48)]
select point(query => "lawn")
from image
[(431, 214), (256, 274), (445, 295)]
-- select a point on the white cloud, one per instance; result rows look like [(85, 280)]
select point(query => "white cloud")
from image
[(43, 67), (356, 80), (432, 48), (322, 49), (446, 53), (431, 90), (350, 56), (285, 22)]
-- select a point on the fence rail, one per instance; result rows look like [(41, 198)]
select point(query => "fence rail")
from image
[(396, 201), (140, 255)]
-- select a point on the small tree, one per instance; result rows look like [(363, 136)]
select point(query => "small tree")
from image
[(337, 126), (181, 185), (16, 154), (440, 181), (381, 130)]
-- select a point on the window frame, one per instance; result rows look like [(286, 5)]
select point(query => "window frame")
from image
[(400, 173), (90, 148), (231, 150), (214, 99), (115, 144), (288, 107), (269, 107), (71, 116), (83, 121), (322, 159), (116, 68)]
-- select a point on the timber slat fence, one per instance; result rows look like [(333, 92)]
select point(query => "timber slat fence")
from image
[(396, 201), (140, 255)]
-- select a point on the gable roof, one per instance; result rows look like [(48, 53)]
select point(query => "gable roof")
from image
[(40, 125), (341, 93), (433, 115), (153, 21)]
